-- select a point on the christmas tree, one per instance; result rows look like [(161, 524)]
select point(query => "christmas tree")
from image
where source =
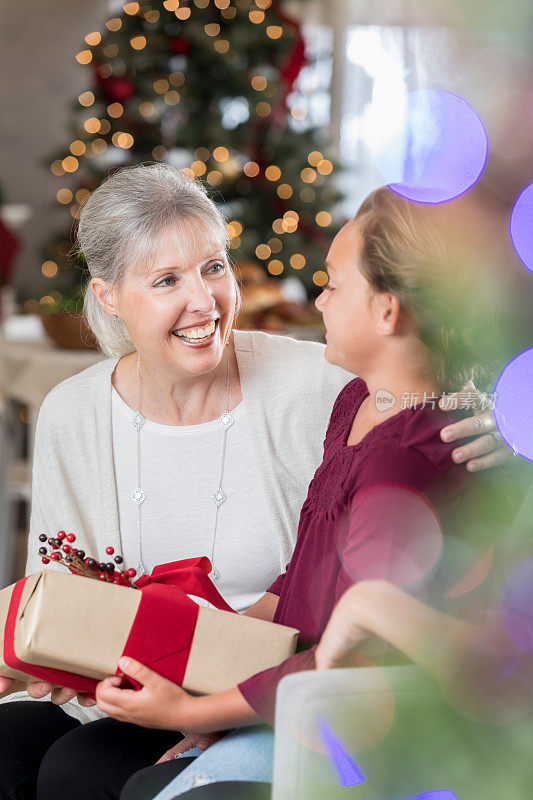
[(209, 86)]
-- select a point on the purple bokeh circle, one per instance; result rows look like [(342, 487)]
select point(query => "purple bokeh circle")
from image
[(516, 606), (522, 226), (435, 794), (513, 404), (440, 151)]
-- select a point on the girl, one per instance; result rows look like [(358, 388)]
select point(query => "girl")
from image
[(384, 468)]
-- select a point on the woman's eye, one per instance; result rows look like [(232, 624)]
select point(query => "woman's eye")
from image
[(168, 278), (217, 268)]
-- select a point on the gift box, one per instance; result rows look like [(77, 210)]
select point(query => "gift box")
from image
[(72, 631)]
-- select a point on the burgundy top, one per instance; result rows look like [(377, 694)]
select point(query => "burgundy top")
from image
[(371, 512)]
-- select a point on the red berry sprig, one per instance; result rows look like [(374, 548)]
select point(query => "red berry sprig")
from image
[(79, 564)]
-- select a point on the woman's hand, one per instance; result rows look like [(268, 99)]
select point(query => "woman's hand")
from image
[(488, 449), (159, 704), (59, 695), (191, 740)]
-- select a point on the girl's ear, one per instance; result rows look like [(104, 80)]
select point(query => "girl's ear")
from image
[(105, 296), (387, 309)]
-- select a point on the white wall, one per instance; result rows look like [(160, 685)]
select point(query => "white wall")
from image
[(39, 77)]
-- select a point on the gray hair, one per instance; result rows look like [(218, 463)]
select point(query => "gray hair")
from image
[(120, 225)]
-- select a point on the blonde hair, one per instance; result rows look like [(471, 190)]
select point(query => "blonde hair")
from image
[(119, 228), (410, 250)]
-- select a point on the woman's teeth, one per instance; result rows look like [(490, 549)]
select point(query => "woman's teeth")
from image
[(196, 334)]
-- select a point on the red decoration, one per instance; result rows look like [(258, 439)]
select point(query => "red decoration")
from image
[(61, 535), (9, 245), (110, 550), (114, 89), (70, 537), (180, 46)]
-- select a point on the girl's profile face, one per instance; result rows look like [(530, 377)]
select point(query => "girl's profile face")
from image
[(180, 308), (346, 304)]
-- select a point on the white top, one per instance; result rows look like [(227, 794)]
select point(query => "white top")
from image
[(180, 470), (289, 389)]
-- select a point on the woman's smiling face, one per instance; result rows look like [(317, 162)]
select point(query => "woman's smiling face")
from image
[(181, 307)]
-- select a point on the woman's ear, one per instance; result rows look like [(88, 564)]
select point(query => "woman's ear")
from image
[(105, 296), (388, 312)]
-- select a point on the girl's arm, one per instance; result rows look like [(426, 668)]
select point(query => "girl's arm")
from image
[(163, 705), (265, 608), (218, 712)]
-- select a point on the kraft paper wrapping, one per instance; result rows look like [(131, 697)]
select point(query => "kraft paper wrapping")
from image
[(81, 625)]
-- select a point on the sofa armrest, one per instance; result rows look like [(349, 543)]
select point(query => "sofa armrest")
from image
[(357, 705)]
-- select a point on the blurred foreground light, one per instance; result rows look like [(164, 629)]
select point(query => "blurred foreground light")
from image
[(434, 794), (513, 404), (522, 226), (433, 149), (516, 607), (406, 558), (348, 772)]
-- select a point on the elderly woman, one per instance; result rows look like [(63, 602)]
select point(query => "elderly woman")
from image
[(191, 438)]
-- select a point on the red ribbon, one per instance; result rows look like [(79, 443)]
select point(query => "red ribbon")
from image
[(152, 640), (293, 66), (56, 676)]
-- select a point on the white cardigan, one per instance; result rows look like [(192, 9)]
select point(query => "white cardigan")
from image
[(289, 389)]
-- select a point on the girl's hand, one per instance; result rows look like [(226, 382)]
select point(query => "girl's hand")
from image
[(488, 449), (5, 684), (159, 704), (343, 633), (201, 740)]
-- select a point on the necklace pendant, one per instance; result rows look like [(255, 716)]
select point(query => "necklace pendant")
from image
[(141, 570), (139, 496), (219, 497), (226, 420), (137, 420), (214, 574)]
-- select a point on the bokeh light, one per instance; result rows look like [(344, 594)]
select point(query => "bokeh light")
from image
[(348, 772), (435, 150), (513, 404), (434, 794), (522, 226), (516, 606), (405, 544)]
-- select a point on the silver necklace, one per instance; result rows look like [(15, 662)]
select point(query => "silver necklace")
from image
[(139, 495)]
